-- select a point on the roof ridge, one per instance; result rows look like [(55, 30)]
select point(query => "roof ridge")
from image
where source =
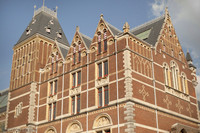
[(147, 23), (87, 37), (113, 26)]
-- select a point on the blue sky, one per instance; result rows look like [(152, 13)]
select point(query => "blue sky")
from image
[(15, 15)]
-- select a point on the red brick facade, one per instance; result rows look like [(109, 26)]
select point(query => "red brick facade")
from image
[(53, 93)]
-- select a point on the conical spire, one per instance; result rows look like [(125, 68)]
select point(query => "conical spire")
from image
[(126, 27), (188, 57)]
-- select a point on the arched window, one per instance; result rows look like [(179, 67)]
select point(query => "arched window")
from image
[(183, 131), (51, 130), (166, 74), (175, 71), (74, 127), (184, 82), (102, 123)]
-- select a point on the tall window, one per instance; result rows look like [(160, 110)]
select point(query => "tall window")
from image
[(99, 43), (166, 74), (103, 96), (76, 79), (102, 71), (174, 70), (184, 84), (52, 63), (57, 62), (52, 111), (76, 104), (53, 86), (74, 55), (105, 41), (79, 52)]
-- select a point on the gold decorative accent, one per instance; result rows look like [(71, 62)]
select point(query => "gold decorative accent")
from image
[(179, 106), (167, 101), (126, 27), (143, 93)]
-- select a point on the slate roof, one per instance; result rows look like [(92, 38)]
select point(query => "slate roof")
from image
[(113, 29), (63, 49), (86, 39), (3, 100), (153, 27), (188, 57), (39, 23)]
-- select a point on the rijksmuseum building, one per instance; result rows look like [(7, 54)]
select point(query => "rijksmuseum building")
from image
[(119, 81)]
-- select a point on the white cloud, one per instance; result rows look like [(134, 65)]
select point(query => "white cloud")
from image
[(198, 87), (158, 7)]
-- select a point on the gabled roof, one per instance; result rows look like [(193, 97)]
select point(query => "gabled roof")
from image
[(87, 40), (149, 31), (113, 29), (3, 100), (63, 50), (39, 23)]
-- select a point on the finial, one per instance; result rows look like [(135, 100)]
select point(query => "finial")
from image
[(77, 28), (101, 15), (43, 2), (56, 8), (34, 6), (126, 27), (187, 50)]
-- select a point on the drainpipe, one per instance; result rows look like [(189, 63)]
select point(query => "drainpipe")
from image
[(155, 98), (38, 99), (87, 91), (115, 41), (62, 97)]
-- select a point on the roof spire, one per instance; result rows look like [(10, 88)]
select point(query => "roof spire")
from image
[(77, 28), (43, 3), (101, 16), (126, 27)]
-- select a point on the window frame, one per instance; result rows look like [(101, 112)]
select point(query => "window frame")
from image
[(101, 96)]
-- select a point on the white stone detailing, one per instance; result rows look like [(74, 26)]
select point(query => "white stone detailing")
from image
[(179, 106), (74, 127), (127, 74), (51, 99), (129, 118), (32, 103), (177, 93), (18, 110), (143, 93), (189, 110), (101, 82), (167, 101), (101, 121)]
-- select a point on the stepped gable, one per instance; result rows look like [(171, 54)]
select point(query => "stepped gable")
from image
[(43, 19), (149, 31)]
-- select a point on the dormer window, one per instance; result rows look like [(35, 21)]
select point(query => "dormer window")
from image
[(48, 29), (59, 34), (28, 31), (51, 21), (34, 20)]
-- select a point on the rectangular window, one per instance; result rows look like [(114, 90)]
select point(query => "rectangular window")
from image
[(51, 67), (74, 80), (54, 111), (106, 95), (105, 45), (55, 86), (74, 58), (78, 103), (99, 47), (50, 109), (100, 97), (56, 63), (105, 68), (79, 56), (51, 88), (79, 78), (73, 105), (100, 70)]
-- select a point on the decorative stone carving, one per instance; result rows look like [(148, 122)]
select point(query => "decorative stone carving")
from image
[(167, 101), (177, 128), (32, 103), (102, 81), (74, 127), (179, 106), (128, 74), (129, 117), (143, 93), (177, 93), (102, 121), (75, 90), (52, 99), (8, 104), (51, 130), (18, 109)]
